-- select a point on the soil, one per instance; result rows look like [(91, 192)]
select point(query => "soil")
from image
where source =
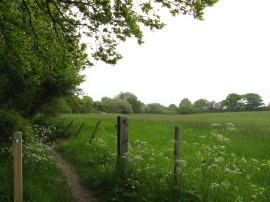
[(69, 174)]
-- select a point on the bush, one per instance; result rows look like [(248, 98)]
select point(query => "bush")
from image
[(42, 124), (40, 119), (39, 171), (10, 122), (56, 106)]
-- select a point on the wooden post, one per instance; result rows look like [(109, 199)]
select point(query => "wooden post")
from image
[(122, 137), (18, 183), (79, 129), (94, 132), (63, 120), (67, 128), (177, 158)]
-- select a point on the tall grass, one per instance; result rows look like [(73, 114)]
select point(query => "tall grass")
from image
[(41, 179), (225, 161)]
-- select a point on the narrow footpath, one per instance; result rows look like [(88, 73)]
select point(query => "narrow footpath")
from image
[(79, 192)]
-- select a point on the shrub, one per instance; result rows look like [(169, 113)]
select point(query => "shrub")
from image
[(10, 122), (56, 106)]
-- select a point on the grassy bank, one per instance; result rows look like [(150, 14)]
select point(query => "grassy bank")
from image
[(225, 161), (41, 179)]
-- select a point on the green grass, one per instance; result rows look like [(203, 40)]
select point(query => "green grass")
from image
[(212, 169), (41, 179), (38, 184)]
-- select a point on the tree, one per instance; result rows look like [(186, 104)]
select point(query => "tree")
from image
[(267, 108), (252, 101), (154, 108), (41, 49), (105, 107), (119, 106), (185, 107), (35, 67), (200, 105), (97, 107), (214, 106), (106, 22), (233, 102), (220, 106), (56, 106), (88, 102), (77, 105), (173, 108), (132, 100)]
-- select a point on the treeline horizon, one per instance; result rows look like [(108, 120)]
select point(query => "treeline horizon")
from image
[(128, 103)]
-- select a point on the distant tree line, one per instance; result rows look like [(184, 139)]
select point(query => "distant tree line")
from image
[(127, 103), (233, 103)]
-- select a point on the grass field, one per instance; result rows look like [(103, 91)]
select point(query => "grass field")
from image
[(224, 157)]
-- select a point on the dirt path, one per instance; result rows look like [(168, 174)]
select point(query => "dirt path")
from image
[(80, 193)]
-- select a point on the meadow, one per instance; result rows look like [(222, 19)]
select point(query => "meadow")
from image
[(224, 156)]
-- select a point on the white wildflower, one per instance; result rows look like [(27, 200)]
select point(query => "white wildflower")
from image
[(243, 159)]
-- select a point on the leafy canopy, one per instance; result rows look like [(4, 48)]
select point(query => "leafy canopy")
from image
[(35, 67), (106, 22), (41, 49)]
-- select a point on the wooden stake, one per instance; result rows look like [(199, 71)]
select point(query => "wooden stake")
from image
[(18, 182), (67, 128), (122, 136), (79, 129), (94, 132), (122, 144)]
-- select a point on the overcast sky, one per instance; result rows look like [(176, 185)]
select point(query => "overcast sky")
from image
[(228, 52)]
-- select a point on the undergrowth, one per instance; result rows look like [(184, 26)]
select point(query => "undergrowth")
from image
[(41, 180), (209, 170)]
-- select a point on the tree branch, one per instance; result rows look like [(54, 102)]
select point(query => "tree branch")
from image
[(31, 23), (54, 23), (67, 20)]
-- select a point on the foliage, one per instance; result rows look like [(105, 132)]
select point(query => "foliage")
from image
[(119, 106), (55, 107), (185, 106), (155, 108), (234, 102), (80, 106), (97, 107), (132, 100), (173, 109), (37, 63), (40, 175), (201, 105), (106, 22), (105, 104), (41, 49), (252, 101), (88, 101), (214, 106), (10, 122)]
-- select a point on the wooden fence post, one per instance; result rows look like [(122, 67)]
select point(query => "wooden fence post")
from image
[(122, 137), (94, 132), (63, 133), (17, 152), (63, 120), (177, 158), (79, 129)]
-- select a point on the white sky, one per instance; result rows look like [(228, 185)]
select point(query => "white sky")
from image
[(228, 52)]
